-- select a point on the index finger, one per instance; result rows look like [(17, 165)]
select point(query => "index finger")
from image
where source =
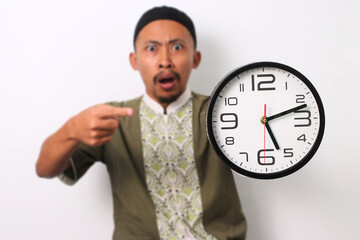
[(113, 112)]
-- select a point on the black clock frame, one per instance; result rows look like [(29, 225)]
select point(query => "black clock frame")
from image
[(242, 171)]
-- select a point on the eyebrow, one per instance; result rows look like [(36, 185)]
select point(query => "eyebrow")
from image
[(175, 40), (159, 43)]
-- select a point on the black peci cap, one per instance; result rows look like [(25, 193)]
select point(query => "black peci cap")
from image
[(168, 13)]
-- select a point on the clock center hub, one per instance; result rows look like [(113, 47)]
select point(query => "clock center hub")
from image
[(263, 120)]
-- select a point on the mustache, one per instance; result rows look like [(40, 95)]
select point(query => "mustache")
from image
[(177, 75)]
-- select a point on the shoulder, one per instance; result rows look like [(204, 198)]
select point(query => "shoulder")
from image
[(200, 101), (200, 97)]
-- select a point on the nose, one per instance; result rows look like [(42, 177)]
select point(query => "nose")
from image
[(165, 61)]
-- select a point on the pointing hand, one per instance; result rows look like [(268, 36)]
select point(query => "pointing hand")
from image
[(96, 125)]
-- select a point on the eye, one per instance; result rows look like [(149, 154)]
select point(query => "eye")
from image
[(177, 47), (151, 48)]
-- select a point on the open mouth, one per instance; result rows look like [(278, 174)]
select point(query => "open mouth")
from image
[(166, 80)]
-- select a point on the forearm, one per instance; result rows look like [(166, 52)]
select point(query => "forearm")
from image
[(93, 126), (55, 153)]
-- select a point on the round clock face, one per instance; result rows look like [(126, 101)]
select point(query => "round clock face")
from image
[(265, 120)]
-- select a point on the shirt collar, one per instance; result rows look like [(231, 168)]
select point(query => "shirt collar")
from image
[(172, 107)]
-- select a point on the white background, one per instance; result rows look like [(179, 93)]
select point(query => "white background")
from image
[(60, 57)]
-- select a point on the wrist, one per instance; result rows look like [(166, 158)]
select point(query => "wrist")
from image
[(68, 131)]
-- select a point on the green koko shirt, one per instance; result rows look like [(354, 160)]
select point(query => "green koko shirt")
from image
[(170, 169), (134, 210)]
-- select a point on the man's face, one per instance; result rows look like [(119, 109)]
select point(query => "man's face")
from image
[(164, 55)]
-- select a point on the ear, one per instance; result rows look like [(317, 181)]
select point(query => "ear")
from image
[(133, 62), (197, 59)]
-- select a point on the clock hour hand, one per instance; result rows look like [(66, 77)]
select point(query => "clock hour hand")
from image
[(286, 112), (272, 135), (263, 120)]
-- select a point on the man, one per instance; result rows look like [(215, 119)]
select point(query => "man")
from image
[(166, 180)]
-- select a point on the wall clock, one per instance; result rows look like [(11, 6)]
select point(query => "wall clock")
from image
[(265, 120)]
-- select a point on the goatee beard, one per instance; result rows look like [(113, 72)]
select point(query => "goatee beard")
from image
[(169, 99)]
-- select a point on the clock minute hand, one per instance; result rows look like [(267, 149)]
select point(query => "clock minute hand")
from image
[(286, 112)]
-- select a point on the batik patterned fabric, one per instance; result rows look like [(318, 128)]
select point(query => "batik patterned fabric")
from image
[(171, 173)]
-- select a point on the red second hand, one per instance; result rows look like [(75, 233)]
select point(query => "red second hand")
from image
[(264, 129)]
